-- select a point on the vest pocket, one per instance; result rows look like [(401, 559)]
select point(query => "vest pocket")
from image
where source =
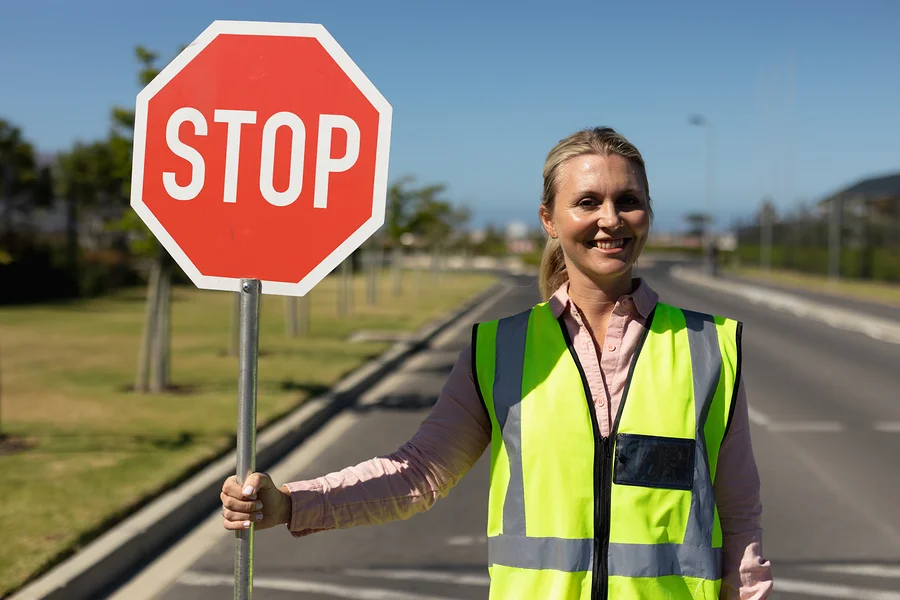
[(656, 462)]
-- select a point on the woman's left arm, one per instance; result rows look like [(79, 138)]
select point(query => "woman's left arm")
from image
[(746, 575)]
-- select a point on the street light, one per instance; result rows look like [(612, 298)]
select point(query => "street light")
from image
[(708, 241)]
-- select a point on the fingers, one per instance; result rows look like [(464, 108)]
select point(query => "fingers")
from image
[(253, 483), (239, 520), (239, 514), (242, 506)]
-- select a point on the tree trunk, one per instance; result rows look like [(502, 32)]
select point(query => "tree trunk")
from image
[(290, 316), (162, 342), (303, 319), (371, 276), (142, 381), (345, 289), (397, 270), (72, 243), (2, 435)]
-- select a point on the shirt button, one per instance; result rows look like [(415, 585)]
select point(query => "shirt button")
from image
[(611, 347)]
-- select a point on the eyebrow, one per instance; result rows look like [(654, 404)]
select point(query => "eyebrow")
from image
[(589, 191)]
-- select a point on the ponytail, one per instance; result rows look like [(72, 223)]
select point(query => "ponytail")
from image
[(552, 272)]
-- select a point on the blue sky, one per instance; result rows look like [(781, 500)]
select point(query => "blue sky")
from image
[(804, 95)]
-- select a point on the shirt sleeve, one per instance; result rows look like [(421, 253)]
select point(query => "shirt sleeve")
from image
[(396, 486), (746, 575)]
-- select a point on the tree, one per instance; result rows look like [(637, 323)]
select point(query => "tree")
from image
[(698, 223), (85, 178), (153, 364), (24, 186), (423, 212)]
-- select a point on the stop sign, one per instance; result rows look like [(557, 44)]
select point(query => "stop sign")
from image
[(261, 152)]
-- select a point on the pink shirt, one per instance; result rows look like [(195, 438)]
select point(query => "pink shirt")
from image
[(456, 432)]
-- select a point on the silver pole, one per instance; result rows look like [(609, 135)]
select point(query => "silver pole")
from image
[(246, 434), (711, 195)]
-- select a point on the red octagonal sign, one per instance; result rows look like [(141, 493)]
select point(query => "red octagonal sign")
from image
[(261, 152)]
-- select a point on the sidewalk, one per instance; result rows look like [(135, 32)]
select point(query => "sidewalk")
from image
[(837, 312), (866, 307)]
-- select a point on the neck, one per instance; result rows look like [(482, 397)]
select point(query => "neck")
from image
[(596, 299)]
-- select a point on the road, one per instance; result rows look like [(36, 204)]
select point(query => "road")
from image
[(825, 418)]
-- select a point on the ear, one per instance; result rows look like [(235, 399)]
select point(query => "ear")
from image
[(547, 221)]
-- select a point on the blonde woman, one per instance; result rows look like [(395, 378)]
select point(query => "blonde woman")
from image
[(621, 460)]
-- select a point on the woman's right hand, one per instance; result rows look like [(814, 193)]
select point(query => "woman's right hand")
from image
[(259, 501)]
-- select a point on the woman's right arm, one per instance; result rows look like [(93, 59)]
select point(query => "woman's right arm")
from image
[(447, 444)]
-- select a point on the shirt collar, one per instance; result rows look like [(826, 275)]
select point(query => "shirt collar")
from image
[(643, 298)]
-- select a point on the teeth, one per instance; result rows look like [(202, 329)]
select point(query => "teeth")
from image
[(604, 245)]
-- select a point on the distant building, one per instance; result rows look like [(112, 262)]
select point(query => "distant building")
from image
[(877, 197)]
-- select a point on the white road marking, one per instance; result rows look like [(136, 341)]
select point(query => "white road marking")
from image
[(758, 418), (864, 570), (467, 540), (807, 427), (313, 587), (830, 590), (763, 420), (430, 576)]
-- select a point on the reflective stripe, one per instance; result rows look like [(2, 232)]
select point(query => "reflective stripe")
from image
[(558, 554), (660, 560), (706, 365), (510, 348), (625, 560)]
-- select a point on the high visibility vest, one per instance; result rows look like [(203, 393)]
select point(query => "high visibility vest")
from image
[(573, 515)]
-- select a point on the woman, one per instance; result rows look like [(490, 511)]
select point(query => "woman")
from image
[(621, 462)]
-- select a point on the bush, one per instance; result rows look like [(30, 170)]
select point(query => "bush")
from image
[(878, 264)]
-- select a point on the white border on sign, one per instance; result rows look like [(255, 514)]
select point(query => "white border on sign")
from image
[(343, 60)]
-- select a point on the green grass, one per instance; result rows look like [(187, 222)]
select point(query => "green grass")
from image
[(97, 451), (882, 292)]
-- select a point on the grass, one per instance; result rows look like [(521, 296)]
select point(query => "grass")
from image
[(95, 451), (885, 293)]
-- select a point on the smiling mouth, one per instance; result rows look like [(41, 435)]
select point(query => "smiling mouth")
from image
[(608, 244)]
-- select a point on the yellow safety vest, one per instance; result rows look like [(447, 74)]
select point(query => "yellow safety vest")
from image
[(573, 515)]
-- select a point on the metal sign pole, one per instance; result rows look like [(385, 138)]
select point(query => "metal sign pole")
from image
[(246, 433)]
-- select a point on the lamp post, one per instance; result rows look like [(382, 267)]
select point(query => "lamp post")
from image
[(709, 254)]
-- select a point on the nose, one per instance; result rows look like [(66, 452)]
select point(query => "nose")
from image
[(608, 215)]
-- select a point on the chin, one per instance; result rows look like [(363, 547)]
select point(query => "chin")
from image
[(610, 271)]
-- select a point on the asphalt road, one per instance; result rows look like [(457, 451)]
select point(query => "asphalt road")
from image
[(825, 413)]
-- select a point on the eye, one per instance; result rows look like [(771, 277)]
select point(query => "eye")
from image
[(629, 200), (587, 202)]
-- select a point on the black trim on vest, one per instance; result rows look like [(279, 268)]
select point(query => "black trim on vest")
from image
[(737, 378), (597, 567), (475, 374), (608, 448), (603, 465)]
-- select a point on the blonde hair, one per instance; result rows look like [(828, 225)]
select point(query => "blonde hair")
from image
[(599, 140)]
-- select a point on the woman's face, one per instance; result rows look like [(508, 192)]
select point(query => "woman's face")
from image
[(600, 215)]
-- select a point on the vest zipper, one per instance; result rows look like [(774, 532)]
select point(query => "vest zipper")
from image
[(602, 465), (599, 568), (605, 508)]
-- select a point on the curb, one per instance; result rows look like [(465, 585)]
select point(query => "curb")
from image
[(114, 557), (884, 330)]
